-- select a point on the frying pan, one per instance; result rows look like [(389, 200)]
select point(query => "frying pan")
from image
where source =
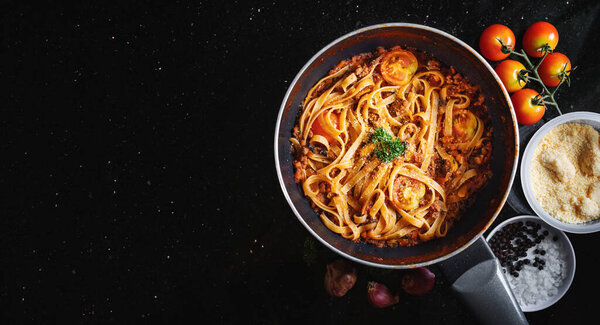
[(463, 255)]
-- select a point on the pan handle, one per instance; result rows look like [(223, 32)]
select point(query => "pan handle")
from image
[(476, 277)]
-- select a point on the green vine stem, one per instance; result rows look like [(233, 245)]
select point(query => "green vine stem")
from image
[(547, 96), (533, 69)]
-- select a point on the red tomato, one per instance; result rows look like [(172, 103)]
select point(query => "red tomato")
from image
[(320, 127), (552, 66), (489, 42), (508, 71), (527, 111), (538, 35), (398, 67)]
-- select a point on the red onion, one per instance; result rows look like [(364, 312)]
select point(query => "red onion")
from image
[(379, 295), (340, 277), (418, 281)]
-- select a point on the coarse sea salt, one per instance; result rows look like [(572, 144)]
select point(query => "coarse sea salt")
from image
[(534, 286)]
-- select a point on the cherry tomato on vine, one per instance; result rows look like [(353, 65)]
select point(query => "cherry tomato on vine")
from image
[(527, 109), (508, 71), (489, 42), (398, 67), (551, 68), (538, 35)]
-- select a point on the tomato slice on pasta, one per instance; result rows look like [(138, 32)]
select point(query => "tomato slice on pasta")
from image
[(326, 129), (398, 67)]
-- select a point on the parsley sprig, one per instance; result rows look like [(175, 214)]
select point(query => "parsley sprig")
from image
[(388, 147)]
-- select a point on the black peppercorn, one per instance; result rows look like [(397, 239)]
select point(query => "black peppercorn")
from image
[(543, 252)]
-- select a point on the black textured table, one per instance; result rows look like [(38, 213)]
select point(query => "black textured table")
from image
[(137, 160)]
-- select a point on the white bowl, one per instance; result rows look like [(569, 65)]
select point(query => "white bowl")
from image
[(589, 118), (565, 243)]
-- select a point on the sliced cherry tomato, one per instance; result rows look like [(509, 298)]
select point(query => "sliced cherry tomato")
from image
[(398, 67), (464, 126), (551, 68), (491, 40), (508, 71), (538, 35), (526, 109), (322, 128)]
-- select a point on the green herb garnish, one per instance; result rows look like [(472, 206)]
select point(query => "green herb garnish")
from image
[(381, 136), (387, 147)]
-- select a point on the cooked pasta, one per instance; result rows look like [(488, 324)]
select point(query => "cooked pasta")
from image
[(390, 147)]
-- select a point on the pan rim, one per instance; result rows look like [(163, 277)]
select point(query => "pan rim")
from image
[(282, 109)]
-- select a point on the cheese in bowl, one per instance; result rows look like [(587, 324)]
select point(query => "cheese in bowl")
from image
[(565, 173)]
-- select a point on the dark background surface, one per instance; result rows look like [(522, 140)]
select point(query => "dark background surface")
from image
[(137, 161)]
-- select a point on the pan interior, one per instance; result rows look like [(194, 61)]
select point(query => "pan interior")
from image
[(489, 199)]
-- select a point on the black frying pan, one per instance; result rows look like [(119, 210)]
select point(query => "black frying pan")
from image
[(469, 229)]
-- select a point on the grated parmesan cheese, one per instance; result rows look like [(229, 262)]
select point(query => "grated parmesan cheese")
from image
[(565, 173)]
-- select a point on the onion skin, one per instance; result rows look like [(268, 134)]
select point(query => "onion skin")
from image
[(418, 281), (339, 278), (379, 295)]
